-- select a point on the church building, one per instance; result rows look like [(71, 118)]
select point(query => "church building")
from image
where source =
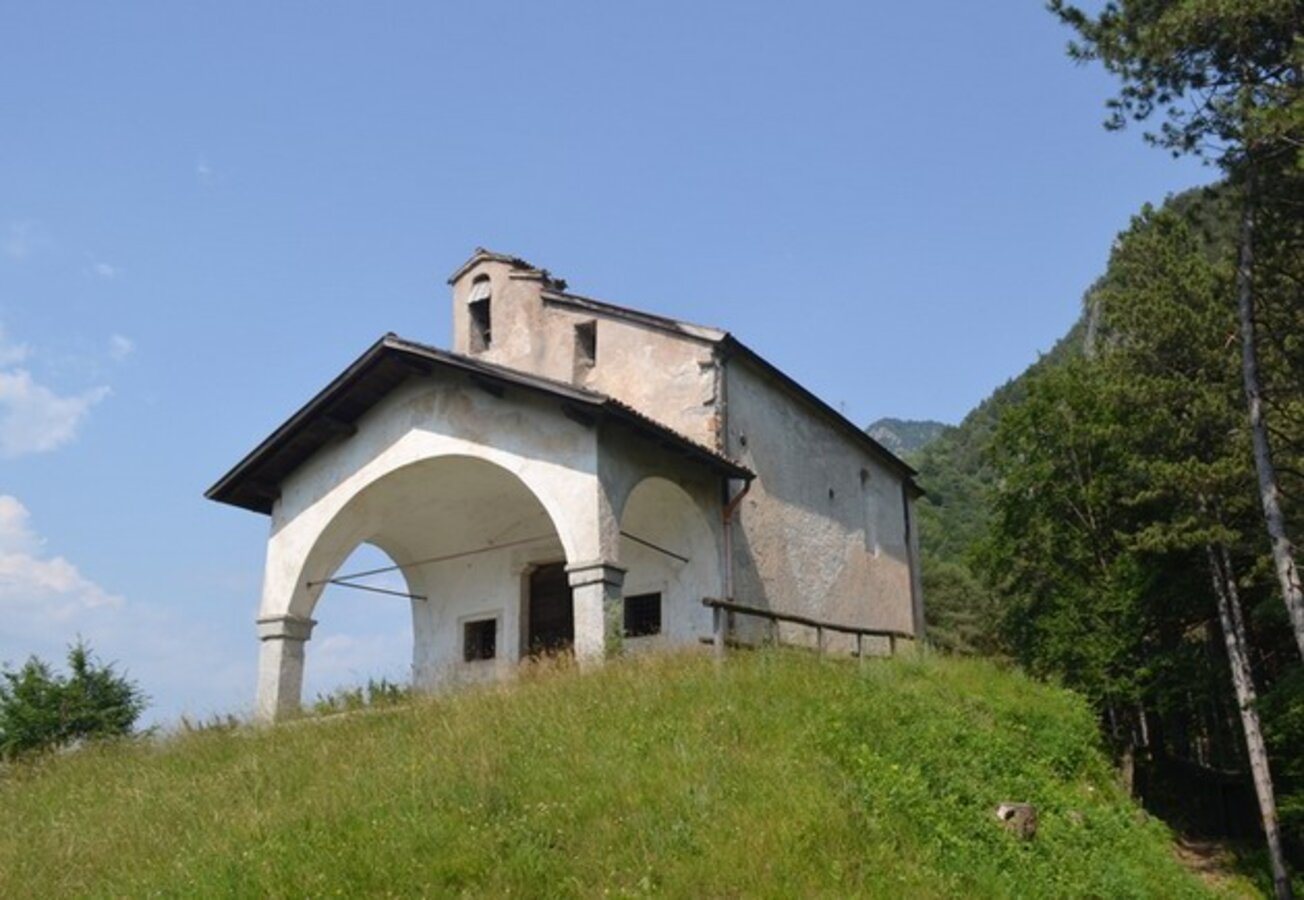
[(574, 476)]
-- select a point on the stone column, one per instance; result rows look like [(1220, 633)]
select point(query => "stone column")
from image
[(599, 610), (280, 665)]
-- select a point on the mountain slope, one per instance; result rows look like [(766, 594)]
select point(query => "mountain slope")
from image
[(953, 515), (905, 436)]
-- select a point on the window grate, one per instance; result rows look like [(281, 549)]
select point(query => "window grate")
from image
[(480, 640), (642, 615)]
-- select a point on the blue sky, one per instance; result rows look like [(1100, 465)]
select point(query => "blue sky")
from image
[(208, 210)]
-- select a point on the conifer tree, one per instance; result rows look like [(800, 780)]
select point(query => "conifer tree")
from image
[(1226, 79), (1122, 478)]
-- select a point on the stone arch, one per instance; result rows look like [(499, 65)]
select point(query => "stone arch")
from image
[(430, 516), (388, 511), (669, 547)]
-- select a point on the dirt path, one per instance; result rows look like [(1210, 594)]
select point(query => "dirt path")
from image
[(1215, 863)]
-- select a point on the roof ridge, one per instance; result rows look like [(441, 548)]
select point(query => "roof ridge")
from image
[(399, 342), (709, 333), (253, 483), (482, 253)]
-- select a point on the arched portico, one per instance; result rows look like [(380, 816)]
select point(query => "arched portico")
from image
[(490, 490), (467, 533), (467, 494), (673, 558)]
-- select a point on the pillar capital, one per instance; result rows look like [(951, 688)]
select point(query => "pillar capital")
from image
[(291, 628), (597, 571)]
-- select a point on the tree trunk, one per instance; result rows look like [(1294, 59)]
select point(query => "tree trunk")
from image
[(1283, 551), (1229, 616), (1127, 770)]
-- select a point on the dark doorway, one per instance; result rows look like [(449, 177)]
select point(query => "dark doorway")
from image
[(552, 615)]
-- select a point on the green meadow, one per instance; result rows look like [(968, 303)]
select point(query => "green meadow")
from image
[(772, 774)]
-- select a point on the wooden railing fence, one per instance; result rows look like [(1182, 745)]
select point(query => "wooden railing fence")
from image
[(721, 608)]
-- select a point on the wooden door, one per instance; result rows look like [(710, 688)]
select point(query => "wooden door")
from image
[(552, 615)]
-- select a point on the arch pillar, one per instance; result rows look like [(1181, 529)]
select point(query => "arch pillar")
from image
[(596, 591), (280, 665)]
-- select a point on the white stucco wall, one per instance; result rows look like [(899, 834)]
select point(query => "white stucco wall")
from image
[(553, 458), (663, 513), (441, 466), (848, 558), (823, 530), (487, 585), (469, 491)]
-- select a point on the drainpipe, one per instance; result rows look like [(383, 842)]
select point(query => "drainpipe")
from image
[(722, 443), (730, 508)]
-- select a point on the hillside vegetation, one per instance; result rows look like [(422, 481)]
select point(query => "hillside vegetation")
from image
[(774, 774), (905, 436), (1070, 517)]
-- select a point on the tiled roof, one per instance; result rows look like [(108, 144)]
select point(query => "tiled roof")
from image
[(254, 482), (731, 346)]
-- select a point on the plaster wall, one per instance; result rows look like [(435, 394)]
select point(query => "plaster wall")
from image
[(823, 531), (677, 505), (662, 513), (488, 585), (670, 377), (469, 492), (347, 493)]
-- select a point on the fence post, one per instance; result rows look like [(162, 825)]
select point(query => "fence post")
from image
[(819, 640), (891, 645), (860, 648), (717, 621)]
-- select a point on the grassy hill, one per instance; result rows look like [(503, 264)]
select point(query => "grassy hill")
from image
[(774, 774)]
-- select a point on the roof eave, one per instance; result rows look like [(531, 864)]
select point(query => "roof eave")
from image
[(242, 486), (730, 345), (704, 333), (228, 483), (482, 255)]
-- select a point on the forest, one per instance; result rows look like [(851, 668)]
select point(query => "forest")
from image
[(1120, 517)]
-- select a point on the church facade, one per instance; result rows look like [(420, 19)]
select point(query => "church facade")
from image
[(575, 476)]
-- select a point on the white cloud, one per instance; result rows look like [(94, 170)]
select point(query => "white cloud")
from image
[(203, 171), (15, 534), (350, 660), (36, 590), (183, 661), (54, 584), (34, 419), (120, 347), (106, 271), (11, 353)]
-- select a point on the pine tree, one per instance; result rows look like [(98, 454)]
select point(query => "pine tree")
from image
[(1226, 79)]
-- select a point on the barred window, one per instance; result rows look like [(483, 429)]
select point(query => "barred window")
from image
[(480, 640), (642, 615)]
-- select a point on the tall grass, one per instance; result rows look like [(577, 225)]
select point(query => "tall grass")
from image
[(774, 775)]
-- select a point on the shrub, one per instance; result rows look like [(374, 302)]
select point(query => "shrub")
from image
[(375, 693), (41, 710)]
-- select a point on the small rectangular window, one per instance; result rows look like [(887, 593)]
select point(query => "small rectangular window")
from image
[(481, 327), (480, 640), (642, 615), (586, 345)]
